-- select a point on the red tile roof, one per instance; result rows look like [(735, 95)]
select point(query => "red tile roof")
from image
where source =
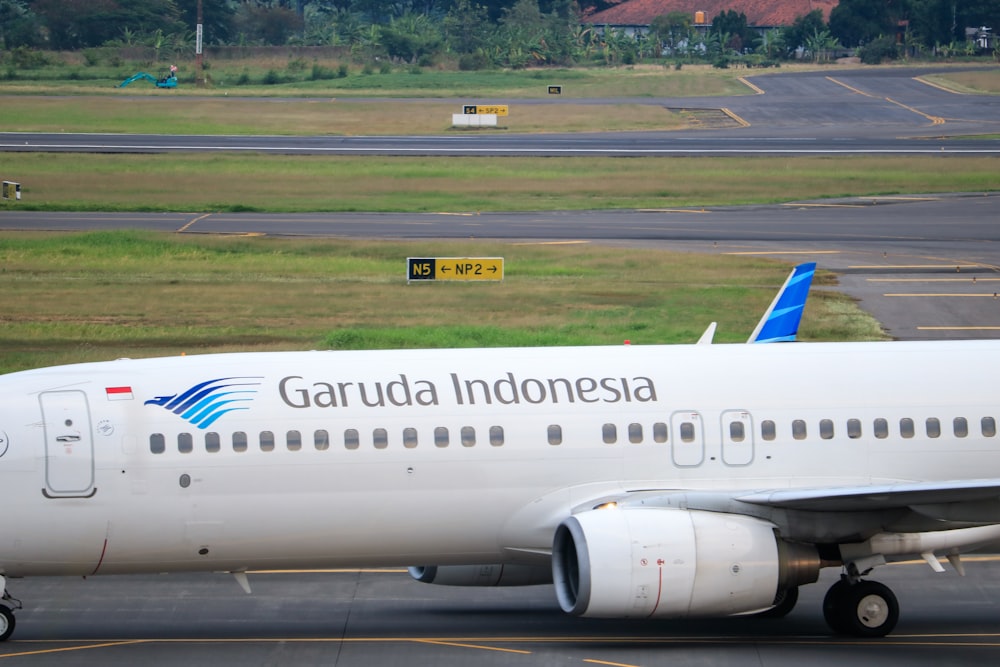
[(767, 13)]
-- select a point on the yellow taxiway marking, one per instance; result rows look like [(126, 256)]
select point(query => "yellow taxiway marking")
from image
[(850, 88), (740, 121), (64, 649), (605, 662), (580, 242), (805, 205), (750, 85), (672, 210), (935, 120), (437, 642), (193, 222), (936, 85)]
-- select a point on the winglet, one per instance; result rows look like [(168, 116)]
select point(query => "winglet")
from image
[(781, 321), (706, 338)]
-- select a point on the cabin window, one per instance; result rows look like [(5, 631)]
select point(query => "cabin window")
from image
[(687, 431), (854, 428), (737, 431), (157, 443), (496, 436), (381, 438), (933, 425), (660, 432), (321, 440), (409, 437), (212, 442), (906, 428), (988, 426), (960, 425), (609, 433), (555, 434), (881, 428), (293, 440), (826, 429), (239, 441), (768, 430), (266, 441), (185, 443), (352, 439), (799, 429), (635, 433), (441, 437), (468, 436)]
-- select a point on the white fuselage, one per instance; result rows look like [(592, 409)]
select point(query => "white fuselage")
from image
[(318, 459)]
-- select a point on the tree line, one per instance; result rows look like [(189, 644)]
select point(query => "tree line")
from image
[(494, 33)]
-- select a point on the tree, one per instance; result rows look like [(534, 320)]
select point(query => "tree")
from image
[(671, 29), (466, 27), (734, 27), (74, 24), (18, 25), (802, 29), (856, 22), (217, 18)]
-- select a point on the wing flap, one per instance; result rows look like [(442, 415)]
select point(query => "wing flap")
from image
[(878, 496)]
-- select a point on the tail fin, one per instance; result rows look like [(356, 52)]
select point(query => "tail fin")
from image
[(781, 321)]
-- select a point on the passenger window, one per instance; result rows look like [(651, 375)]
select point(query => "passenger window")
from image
[(767, 430), (609, 432), (826, 429), (239, 441), (881, 428), (352, 439), (906, 427), (381, 438), (441, 437), (799, 429), (555, 434), (854, 428), (409, 437), (933, 427), (185, 443), (212, 442), (266, 441), (960, 425), (635, 433), (496, 436), (468, 436), (321, 440), (293, 440), (737, 431), (157, 443), (989, 427), (659, 432), (687, 431)]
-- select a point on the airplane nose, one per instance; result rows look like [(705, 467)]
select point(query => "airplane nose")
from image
[(4, 441)]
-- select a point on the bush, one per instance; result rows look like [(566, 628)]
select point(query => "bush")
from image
[(470, 62), (875, 51)]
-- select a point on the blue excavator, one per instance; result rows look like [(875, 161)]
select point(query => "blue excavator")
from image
[(166, 81)]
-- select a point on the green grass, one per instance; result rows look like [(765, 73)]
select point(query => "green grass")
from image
[(102, 295), (227, 182)]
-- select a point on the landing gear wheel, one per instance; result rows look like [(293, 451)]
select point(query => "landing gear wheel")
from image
[(6, 622), (784, 602), (864, 609)]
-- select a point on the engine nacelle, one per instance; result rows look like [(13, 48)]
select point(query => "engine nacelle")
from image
[(483, 575), (667, 563)]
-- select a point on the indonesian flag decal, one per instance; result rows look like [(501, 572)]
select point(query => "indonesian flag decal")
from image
[(119, 393)]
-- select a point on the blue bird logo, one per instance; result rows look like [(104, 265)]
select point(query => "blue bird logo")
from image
[(204, 403)]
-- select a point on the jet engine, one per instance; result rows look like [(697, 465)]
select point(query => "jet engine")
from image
[(483, 575), (668, 563)]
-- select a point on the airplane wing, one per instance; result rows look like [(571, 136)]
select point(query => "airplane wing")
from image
[(878, 497), (781, 320)]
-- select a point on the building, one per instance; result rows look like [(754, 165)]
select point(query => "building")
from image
[(634, 16)]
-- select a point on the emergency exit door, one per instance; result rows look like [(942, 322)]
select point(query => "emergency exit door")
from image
[(69, 445)]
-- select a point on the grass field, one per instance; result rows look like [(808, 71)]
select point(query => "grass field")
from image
[(102, 295)]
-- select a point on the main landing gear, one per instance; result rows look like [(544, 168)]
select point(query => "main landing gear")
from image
[(861, 608), (7, 606)]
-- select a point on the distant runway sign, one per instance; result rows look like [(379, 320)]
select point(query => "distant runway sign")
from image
[(454, 268), (498, 109)]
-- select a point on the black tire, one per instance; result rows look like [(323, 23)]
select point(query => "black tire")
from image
[(784, 603), (869, 609), (6, 622), (833, 606)]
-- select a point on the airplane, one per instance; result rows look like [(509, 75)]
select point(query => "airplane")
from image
[(641, 481)]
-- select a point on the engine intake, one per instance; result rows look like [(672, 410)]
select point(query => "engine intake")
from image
[(666, 563)]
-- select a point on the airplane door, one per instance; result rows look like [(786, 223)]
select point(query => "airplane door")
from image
[(737, 438), (69, 445), (688, 441)]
